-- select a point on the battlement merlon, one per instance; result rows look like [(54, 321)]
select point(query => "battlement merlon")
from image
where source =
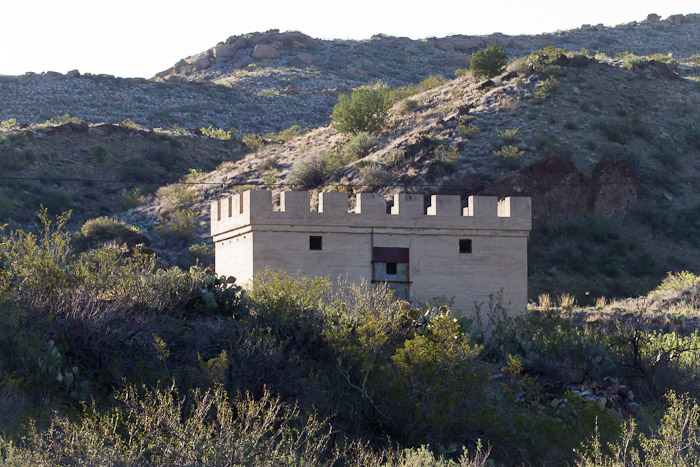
[(254, 207)]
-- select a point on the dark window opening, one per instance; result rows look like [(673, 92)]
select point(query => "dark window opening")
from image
[(465, 245), (391, 268), (315, 242)]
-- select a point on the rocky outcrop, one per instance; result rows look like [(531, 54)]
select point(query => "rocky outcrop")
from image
[(266, 51), (557, 187)]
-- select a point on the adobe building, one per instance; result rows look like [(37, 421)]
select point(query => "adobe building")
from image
[(445, 250)]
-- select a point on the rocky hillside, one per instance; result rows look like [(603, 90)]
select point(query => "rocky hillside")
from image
[(608, 149), (606, 144), (267, 82)]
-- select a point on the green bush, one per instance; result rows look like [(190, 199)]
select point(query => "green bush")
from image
[(308, 172), (358, 146), (216, 133), (408, 105), (99, 155), (161, 428), (545, 88), (365, 110), (432, 81), (13, 159), (9, 124), (374, 176), (488, 62), (178, 225), (509, 154), (254, 142), (100, 230)]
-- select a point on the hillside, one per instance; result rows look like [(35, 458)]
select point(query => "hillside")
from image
[(242, 81), (605, 156), (111, 355)]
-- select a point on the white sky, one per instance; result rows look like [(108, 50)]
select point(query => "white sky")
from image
[(132, 38)]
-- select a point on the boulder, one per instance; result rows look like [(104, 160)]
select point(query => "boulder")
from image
[(676, 19), (73, 74), (498, 40), (305, 58), (615, 187), (653, 18), (446, 46), (297, 40), (68, 128), (664, 69), (223, 52), (264, 51), (200, 61), (467, 43)]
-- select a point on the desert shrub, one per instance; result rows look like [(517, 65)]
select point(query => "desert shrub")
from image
[(543, 61), (99, 155), (510, 135), (433, 378), (676, 282), (509, 155), (63, 119), (129, 123), (465, 128), (358, 145), (181, 196), (488, 62), (374, 176), (366, 109), (178, 225), (692, 134), (432, 81), (402, 92), (161, 428), (685, 224), (664, 58), (675, 442), (308, 172), (13, 159), (9, 124), (100, 230), (286, 135), (133, 197), (448, 155), (459, 72), (216, 133), (57, 200), (545, 88), (408, 105), (614, 130), (632, 61), (253, 141), (201, 254)]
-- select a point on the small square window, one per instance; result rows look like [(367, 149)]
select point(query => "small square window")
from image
[(315, 242), (465, 245), (391, 268)]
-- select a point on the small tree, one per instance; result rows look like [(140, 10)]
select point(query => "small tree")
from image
[(365, 110), (488, 62)]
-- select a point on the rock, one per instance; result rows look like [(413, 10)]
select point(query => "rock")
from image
[(498, 40), (240, 43), (291, 89), (488, 84), (467, 43), (52, 74), (305, 58), (556, 186), (333, 64), (223, 52), (653, 18), (676, 19), (615, 187), (446, 46), (268, 51), (68, 128), (201, 61), (297, 40), (73, 74), (664, 69)]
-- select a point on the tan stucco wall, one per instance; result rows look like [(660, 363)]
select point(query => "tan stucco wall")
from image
[(254, 237)]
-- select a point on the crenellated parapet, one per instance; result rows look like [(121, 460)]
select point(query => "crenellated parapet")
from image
[(254, 207)]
